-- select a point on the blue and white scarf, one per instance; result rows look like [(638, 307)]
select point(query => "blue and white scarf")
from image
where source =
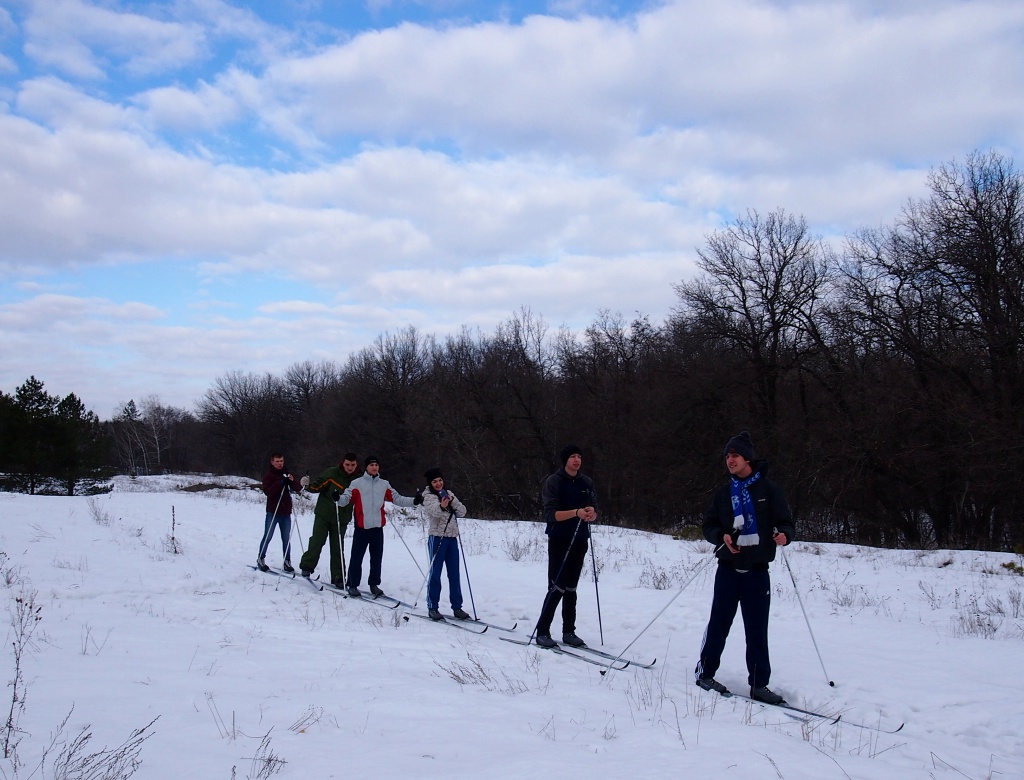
[(744, 519)]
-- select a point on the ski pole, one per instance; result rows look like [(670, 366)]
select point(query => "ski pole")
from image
[(294, 524), (341, 538), (298, 534), (685, 585), (554, 583), (597, 593), (395, 526), (270, 526), (430, 567), (469, 584), (806, 620)]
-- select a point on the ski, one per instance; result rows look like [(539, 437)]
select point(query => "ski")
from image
[(453, 623), (602, 654), (290, 576), (272, 570), (610, 657), (381, 601), (833, 719), (784, 705), (474, 621), (879, 729), (560, 649)]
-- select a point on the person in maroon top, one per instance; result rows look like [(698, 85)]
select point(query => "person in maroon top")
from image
[(278, 484)]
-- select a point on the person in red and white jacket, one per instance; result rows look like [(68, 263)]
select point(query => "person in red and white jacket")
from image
[(367, 495)]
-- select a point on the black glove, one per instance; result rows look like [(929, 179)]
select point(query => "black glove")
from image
[(336, 495), (419, 498)]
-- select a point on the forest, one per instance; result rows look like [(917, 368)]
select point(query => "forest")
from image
[(881, 379)]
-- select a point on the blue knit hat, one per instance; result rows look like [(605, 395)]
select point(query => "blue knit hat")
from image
[(742, 445)]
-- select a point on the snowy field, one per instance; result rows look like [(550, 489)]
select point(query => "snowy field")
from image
[(250, 675)]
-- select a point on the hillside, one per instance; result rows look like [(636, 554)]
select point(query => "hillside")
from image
[(250, 675)]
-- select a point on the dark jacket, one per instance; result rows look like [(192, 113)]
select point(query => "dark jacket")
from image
[(273, 485), (772, 513), (560, 492), (334, 478)]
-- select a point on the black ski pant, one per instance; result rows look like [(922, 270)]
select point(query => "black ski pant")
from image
[(751, 591), (565, 564), (363, 538)]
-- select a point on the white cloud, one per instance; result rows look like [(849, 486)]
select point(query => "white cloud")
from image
[(84, 40), (204, 108), (812, 80), (444, 176)]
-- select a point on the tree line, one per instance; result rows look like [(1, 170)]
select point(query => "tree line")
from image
[(882, 379), (48, 442)]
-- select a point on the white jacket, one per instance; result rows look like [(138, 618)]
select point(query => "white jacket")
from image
[(440, 524), (367, 495)]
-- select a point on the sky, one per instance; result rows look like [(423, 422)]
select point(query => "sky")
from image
[(225, 657), (199, 187)]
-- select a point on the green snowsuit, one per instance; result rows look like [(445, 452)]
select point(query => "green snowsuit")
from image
[(329, 521)]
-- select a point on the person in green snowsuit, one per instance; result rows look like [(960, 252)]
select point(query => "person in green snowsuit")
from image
[(330, 520)]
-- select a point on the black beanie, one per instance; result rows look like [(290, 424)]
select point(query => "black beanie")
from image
[(742, 445), (431, 474), (371, 459), (568, 451)]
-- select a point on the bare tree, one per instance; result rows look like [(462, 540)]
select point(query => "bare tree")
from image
[(941, 293), (764, 280), (249, 415)]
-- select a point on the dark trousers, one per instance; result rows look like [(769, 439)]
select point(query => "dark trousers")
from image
[(325, 529), (751, 591), (565, 564), (363, 538)]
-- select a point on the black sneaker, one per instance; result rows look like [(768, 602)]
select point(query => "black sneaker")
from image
[(376, 591), (262, 565), (711, 684), (434, 614), (766, 696), (353, 591), (288, 568), (572, 640), (545, 640), (339, 584), (306, 573), (461, 614)]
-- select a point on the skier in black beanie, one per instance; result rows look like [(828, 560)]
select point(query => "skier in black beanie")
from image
[(570, 505)]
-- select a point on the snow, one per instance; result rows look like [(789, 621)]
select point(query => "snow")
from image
[(253, 675)]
